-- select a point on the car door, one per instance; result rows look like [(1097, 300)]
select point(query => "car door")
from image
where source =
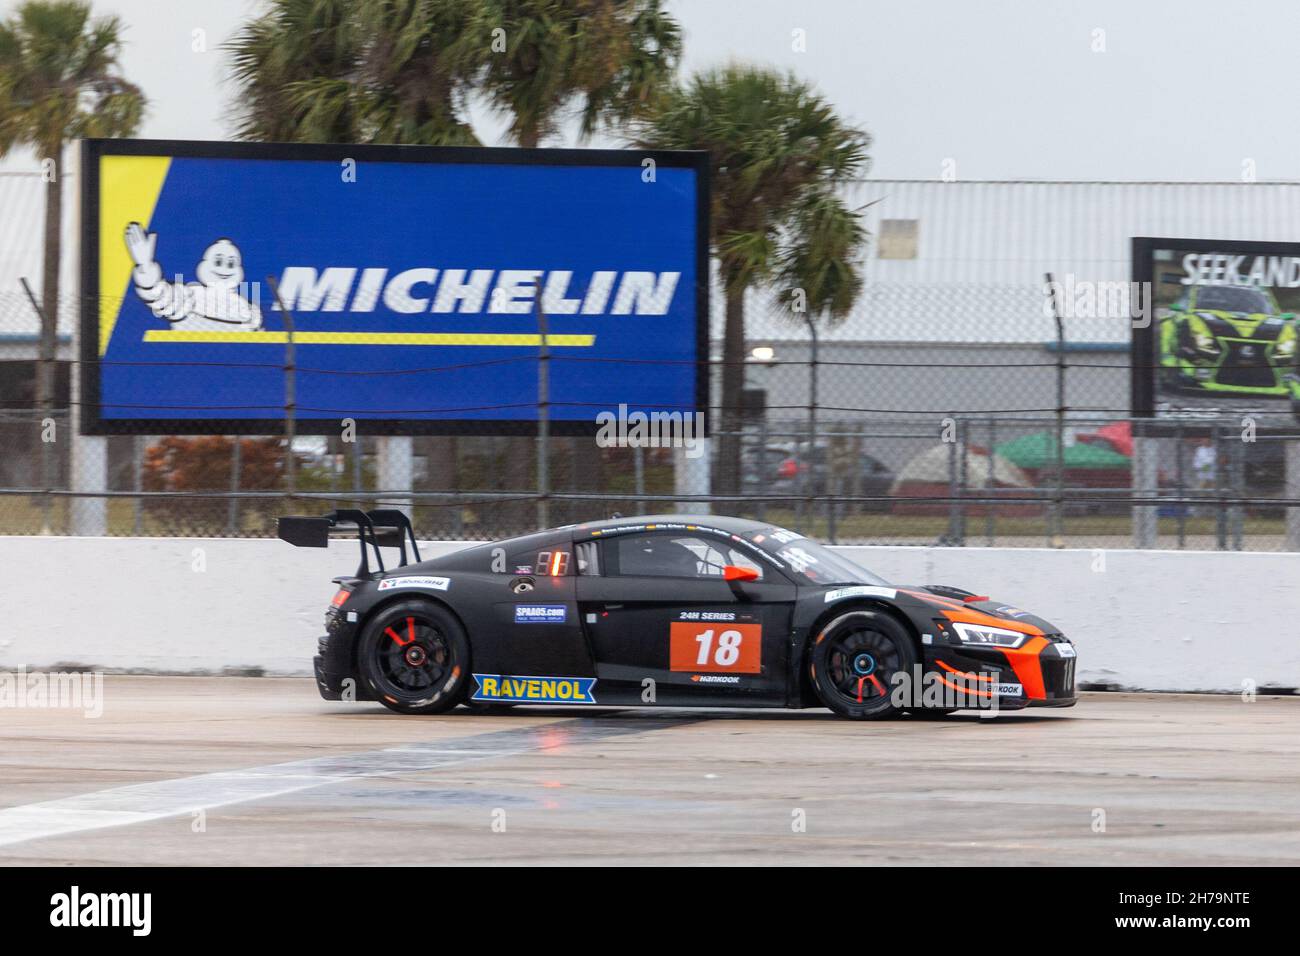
[(665, 623)]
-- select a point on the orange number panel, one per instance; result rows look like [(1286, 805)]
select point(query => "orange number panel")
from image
[(716, 647)]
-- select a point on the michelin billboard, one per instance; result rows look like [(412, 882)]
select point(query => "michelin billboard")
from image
[(412, 276)]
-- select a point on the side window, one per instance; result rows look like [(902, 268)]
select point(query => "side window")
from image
[(676, 556), (587, 554)]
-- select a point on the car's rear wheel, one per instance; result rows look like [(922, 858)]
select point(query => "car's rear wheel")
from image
[(414, 657), (854, 662)]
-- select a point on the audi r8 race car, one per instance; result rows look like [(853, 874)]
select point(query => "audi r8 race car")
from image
[(668, 610), (1229, 340)]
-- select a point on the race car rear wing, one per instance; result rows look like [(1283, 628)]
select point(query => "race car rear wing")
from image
[(382, 527)]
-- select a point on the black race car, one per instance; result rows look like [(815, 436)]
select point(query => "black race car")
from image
[(666, 610)]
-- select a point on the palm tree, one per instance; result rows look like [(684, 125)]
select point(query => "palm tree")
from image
[(59, 80), (610, 59), (354, 71), (779, 156)]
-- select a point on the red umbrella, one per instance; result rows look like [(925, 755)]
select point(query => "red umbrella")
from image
[(1119, 435)]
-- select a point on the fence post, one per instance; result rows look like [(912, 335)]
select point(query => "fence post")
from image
[(1181, 481), (358, 471), (290, 394), (45, 411), (990, 509), (1058, 499), (1292, 459), (963, 480), (638, 464), (954, 505), (808, 488), (543, 416)]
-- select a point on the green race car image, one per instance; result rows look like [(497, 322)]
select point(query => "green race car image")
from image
[(1228, 340)]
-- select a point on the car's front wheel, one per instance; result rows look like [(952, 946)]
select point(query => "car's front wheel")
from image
[(414, 657), (854, 661)]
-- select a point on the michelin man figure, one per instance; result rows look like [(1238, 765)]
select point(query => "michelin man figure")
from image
[(214, 302)]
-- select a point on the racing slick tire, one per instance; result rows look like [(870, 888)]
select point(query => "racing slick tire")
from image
[(853, 662), (414, 657)]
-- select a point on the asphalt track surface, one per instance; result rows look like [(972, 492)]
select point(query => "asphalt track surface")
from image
[(233, 771)]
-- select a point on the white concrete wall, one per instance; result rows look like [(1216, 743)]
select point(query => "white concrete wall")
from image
[(1151, 620)]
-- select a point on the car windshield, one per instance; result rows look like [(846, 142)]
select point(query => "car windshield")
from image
[(1234, 298), (810, 560)]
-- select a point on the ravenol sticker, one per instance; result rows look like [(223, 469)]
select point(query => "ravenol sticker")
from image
[(541, 613), (413, 581), (860, 590), (535, 690)]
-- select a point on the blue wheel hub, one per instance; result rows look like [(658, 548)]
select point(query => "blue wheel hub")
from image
[(863, 664)]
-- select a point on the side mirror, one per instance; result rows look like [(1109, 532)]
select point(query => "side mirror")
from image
[(734, 573)]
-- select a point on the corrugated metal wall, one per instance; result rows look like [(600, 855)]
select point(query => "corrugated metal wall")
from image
[(983, 248), (22, 227)]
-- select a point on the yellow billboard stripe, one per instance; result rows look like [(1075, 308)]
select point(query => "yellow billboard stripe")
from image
[(506, 339), (129, 187)]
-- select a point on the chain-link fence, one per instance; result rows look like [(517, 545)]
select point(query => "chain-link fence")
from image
[(985, 443)]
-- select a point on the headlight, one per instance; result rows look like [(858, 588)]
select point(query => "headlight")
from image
[(986, 636), (1204, 341), (1285, 349)]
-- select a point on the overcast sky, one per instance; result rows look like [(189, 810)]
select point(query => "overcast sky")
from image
[(1108, 89)]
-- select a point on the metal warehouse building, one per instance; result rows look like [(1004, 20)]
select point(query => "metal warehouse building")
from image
[(954, 294)]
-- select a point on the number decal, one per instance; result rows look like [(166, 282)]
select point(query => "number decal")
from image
[(704, 649)]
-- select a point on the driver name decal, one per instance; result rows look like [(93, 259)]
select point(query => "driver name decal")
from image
[(861, 590)]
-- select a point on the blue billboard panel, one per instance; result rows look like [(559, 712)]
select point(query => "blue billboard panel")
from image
[(410, 280)]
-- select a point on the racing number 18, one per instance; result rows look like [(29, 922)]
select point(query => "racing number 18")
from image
[(728, 649)]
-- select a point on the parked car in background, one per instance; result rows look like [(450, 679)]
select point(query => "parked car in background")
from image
[(789, 469)]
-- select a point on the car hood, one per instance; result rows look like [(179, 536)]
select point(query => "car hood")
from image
[(974, 606)]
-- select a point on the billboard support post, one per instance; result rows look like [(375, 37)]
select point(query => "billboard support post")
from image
[(691, 477), (236, 466), (1144, 472), (88, 462), (396, 472)]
